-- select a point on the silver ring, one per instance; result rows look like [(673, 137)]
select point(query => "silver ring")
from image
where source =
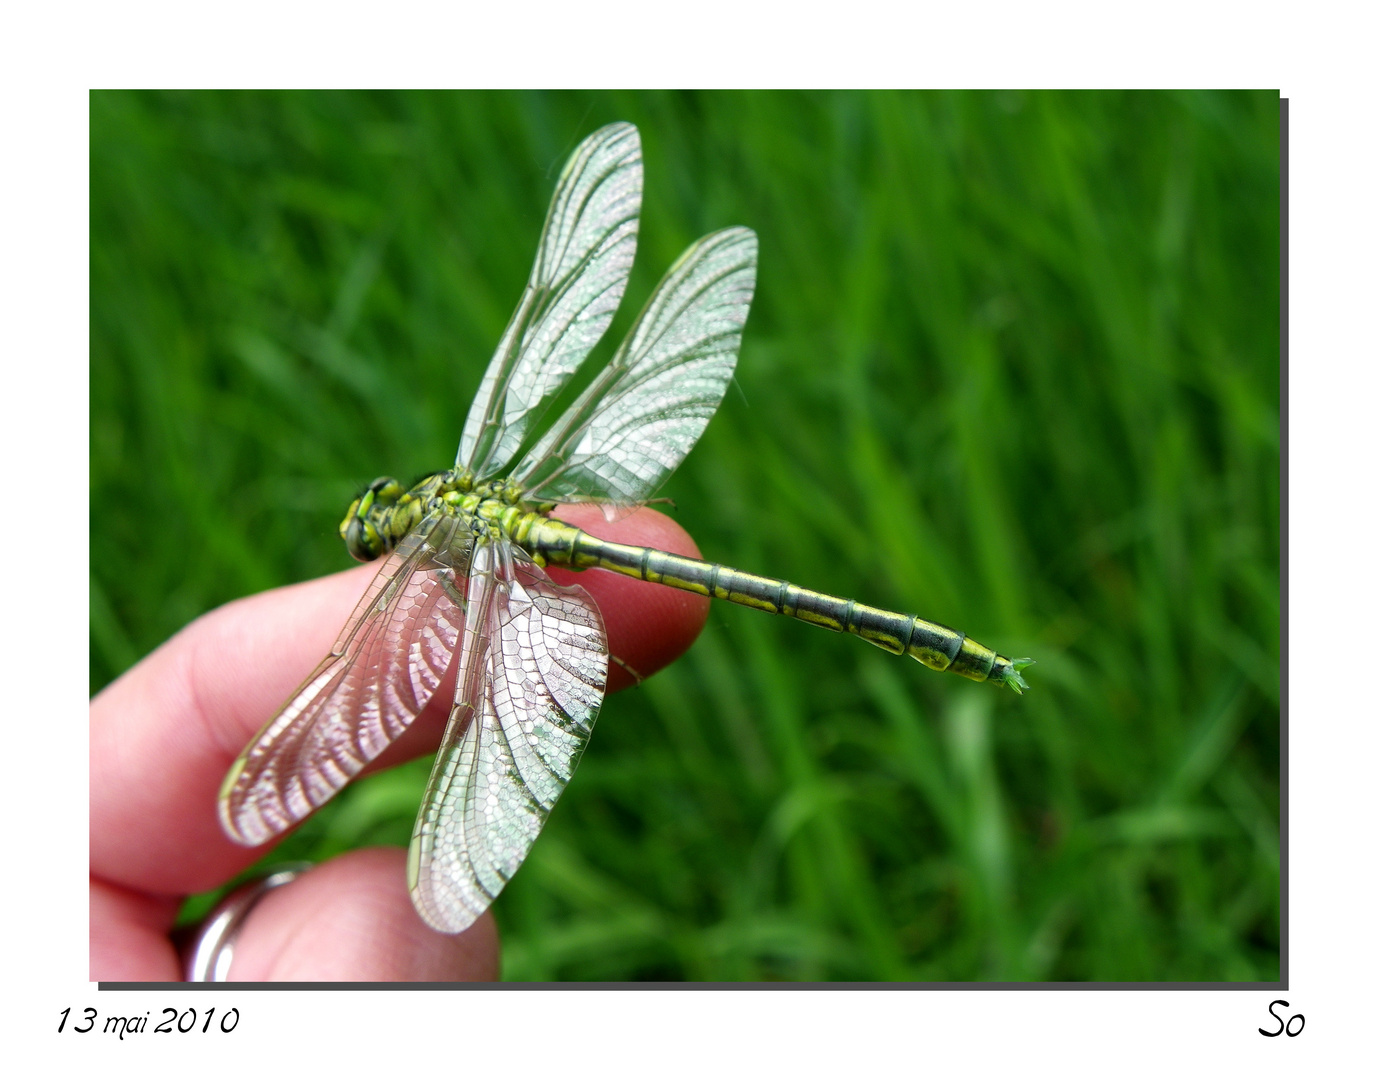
[(212, 951)]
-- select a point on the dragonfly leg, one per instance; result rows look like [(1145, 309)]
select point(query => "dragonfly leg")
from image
[(637, 677)]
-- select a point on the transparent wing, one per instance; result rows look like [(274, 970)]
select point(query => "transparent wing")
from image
[(578, 279), (382, 671), (533, 665), (632, 427)]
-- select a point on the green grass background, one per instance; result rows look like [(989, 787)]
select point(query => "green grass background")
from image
[(1013, 364)]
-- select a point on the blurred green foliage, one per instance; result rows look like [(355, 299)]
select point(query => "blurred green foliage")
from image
[(1013, 364)]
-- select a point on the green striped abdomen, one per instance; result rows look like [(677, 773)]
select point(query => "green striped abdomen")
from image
[(938, 647)]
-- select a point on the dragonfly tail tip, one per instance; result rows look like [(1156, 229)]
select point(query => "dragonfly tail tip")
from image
[(1012, 678)]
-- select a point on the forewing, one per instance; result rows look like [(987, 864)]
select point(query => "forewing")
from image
[(533, 666), (577, 281), (632, 427), (382, 671)]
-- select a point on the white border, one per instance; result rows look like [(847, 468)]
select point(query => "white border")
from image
[(1320, 59)]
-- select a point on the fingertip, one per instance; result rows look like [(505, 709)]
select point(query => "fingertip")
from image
[(648, 625)]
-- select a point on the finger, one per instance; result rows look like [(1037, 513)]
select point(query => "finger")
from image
[(351, 919), (163, 735), (129, 941)]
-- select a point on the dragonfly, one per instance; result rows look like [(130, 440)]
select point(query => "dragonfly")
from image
[(462, 593)]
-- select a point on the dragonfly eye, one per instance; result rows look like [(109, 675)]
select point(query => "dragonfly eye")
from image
[(361, 538), (386, 490), (360, 534)]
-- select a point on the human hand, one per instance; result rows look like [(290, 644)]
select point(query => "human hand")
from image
[(165, 732)]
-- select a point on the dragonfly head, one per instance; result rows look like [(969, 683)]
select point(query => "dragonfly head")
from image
[(360, 528)]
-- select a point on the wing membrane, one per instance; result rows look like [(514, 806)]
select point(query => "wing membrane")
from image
[(382, 671), (632, 427), (533, 665), (578, 279)]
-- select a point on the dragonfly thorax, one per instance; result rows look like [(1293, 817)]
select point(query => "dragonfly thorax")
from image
[(385, 513)]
